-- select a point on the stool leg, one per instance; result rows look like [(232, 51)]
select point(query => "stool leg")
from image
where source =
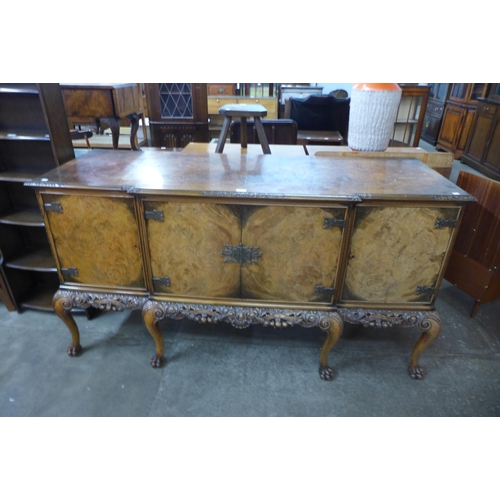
[(223, 135), (243, 133), (262, 136)]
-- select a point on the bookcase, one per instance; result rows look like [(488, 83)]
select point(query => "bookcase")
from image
[(34, 138)]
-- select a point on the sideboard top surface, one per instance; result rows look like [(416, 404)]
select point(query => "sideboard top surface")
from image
[(153, 171)]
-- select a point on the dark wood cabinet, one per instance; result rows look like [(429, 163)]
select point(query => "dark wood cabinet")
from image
[(458, 116), (178, 114), (34, 138), (483, 148), (438, 93)]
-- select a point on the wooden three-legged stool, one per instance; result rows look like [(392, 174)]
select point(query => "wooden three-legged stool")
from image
[(243, 111)]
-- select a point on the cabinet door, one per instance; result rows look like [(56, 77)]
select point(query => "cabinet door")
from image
[(185, 244), (300, 249), (492, 158), (397, 253), (481, 131), (450, 129), (96, 240)]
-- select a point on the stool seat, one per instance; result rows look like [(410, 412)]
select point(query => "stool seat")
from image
[(243, 111)]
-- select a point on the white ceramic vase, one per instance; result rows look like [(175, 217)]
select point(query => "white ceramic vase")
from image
[(373, 111)]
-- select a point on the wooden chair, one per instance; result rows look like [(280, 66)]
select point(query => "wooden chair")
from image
[(77, 134), (277, 131), (474, 266)]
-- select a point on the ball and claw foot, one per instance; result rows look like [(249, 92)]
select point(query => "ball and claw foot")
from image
[(156, 361), (326, 373), (74, 350), (416, 373)]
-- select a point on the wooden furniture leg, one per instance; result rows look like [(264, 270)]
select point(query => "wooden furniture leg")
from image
[(431, 324), (243, 133), (114, 125), (151, 314), (262, 135), (333, 326), (223, 135), (62, 306), (134, 127)]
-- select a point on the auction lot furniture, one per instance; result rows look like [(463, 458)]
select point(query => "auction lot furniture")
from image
[(475, 260), (270, 240), (102, 103), (34, 138)]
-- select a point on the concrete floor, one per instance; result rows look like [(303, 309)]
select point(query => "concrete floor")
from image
[(221, 371)]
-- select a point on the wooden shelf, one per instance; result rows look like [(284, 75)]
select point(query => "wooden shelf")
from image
[(21, 135), (40, 299), (18, 88), (39, 259), (15, 176), (27, 217)]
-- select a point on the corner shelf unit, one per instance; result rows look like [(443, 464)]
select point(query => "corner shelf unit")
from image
[(34, 138)]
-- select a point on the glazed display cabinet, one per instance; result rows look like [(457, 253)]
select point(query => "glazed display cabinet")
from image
[(34, 138), (178, 113), (438, 93), (483, 148), (222, 238)]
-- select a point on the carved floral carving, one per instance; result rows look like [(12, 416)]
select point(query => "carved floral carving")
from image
[(240, 317)]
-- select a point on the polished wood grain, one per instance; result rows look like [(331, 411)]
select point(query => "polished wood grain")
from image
[(251, 149), (187, 248), (99, 236), (154, 171), (393, 251), (441, 162), (298, 254), (475, 260)]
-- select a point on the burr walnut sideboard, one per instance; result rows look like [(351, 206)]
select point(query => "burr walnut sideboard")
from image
[(270, 240)]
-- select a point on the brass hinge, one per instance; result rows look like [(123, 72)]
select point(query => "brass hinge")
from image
[(331, 222), (156, 215), (163, 281), (241, 254), (70, 272), (53, 207), (440, 223), (321, 290)]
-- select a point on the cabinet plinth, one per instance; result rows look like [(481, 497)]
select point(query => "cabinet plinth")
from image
[(270, 240)]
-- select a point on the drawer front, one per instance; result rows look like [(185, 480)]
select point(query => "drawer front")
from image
[(397, 254), (220, 89), (88, 103), (215, 103), (96, 240), (487, 109)]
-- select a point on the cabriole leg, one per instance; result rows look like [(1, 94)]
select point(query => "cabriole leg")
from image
[(151, 314), (62, 306), (333, 326), (431, 324)]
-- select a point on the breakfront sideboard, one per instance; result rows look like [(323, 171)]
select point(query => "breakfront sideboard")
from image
[(269, 240)]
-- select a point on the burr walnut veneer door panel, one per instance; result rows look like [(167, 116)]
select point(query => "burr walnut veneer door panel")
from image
[(96, 240), (397, 253), (300, 252), (185, 244)]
